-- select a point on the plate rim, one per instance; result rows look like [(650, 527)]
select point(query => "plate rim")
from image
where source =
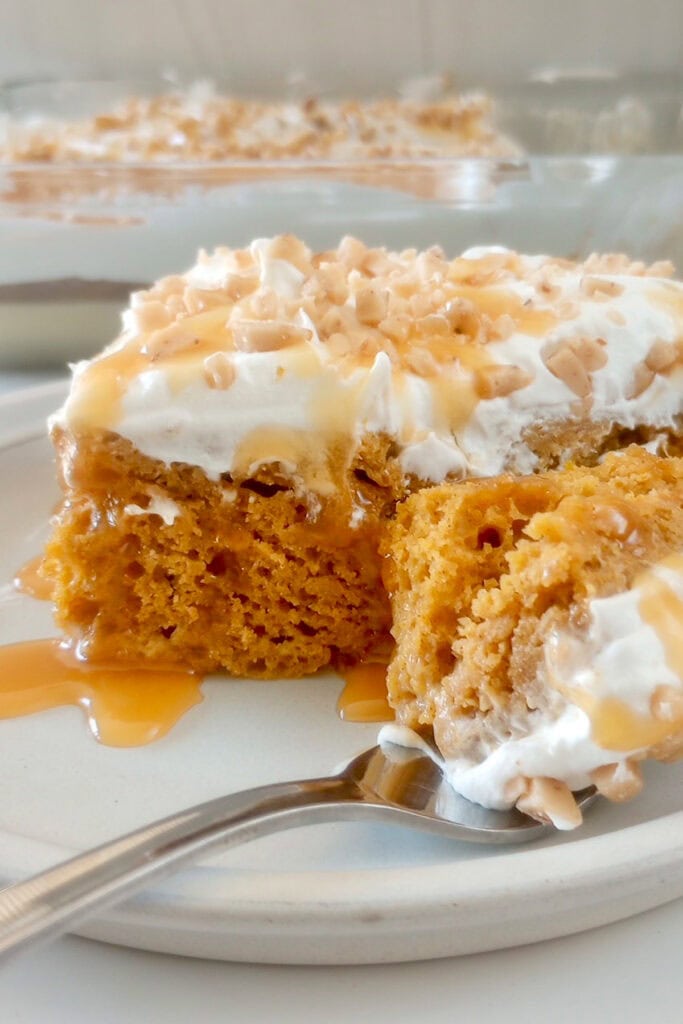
[(596, 870)]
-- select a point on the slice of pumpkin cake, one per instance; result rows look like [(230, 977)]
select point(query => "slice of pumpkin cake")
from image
[(539, 629)]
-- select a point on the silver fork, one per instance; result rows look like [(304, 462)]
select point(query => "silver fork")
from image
[(388, 783)]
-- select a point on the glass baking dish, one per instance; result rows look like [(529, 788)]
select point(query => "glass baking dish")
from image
[(76, 239), (553, 112)]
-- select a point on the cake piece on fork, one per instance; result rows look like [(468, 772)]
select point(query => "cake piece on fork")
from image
[(539, 629)]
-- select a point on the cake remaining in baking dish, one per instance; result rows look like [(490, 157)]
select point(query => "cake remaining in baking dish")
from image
[(200, 125), (230, 461)]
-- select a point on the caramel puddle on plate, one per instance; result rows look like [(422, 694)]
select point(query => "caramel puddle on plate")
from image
[(130, 706), (124, 706), (29, 581), (364, 697)]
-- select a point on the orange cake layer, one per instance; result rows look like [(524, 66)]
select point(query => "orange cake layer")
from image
[(253, 578), (480, 572), (242, 573)]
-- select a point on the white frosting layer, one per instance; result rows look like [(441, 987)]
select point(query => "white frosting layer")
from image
[(159, 506), (203, 425), (497, 426), (620, 656)]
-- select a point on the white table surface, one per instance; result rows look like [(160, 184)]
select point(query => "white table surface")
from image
[(627, 972)]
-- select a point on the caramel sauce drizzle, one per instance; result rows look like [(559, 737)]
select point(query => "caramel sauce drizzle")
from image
[(616, 726), (614, 723), (499, 301), (96, 401), (455, 398), (669, 296), (125, 706), (364, 697), (129, 706), (30, 581)]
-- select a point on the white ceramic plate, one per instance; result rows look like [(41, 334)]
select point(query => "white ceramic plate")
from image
[(342, 893)]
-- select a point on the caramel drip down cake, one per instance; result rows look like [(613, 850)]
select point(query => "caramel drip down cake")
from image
[(538, 623), (231, 461)]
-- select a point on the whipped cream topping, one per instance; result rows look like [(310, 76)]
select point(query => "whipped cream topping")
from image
[(615, 695), (456, 360), (160, 506)]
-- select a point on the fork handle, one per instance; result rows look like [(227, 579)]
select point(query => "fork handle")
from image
[(48, 904)]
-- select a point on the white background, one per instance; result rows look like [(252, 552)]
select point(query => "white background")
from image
[(625, 974)]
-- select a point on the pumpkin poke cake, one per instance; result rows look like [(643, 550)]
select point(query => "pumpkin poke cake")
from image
[(539, 629), (230, 462)]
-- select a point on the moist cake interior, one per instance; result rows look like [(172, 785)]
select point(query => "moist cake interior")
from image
[(480, 573)]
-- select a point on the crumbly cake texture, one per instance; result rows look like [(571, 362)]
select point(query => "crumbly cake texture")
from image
[(200, 125), (482, 573), (156, 562), (229, 462)]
